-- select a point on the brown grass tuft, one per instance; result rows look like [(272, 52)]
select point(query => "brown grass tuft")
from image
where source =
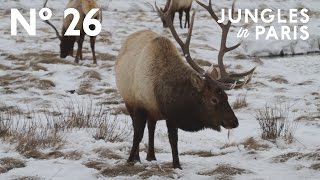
[(46, 84), (98, 165), (225, 171), (28, 178), (315, 166), (240, 102), (285, 157), (279, 79), (123, 170), (91, 74), (9, 163), (203, 153), (252, 144), (107, 153)]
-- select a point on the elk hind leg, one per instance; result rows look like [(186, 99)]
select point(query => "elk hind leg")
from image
[(139, 119), (151, 128)]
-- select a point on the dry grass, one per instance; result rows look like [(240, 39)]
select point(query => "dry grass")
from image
[(279, 79), (4, 67), (249, 144), (274, 123), (110, 91), (315, 166), (225, 171), (91, 74), (203, 153), (122, 170), (73, 155), (107, 153), (9, 163), (46, 84), (304, 83), (313, 156), (34, 135), (120, 110), (285, 157), (308, 118), (86, 115), (86, 87), (36, 154), (28, 178), (106, 56), (240, 102), (144, 172), (30, 132), (111, 130), (98, 165), (39, 57), (252, 144)]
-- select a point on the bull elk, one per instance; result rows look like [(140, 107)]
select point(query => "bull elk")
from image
[(156, 84), (179, 6), (67, 42)]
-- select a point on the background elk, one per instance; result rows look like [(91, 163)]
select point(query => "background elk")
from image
[(67, 42), (178, 6), (156, 84)]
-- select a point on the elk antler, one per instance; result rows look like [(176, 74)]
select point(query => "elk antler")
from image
[(226, 77), (49, 23), (185, 46)]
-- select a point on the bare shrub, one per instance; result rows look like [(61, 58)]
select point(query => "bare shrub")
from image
[(109, 129), (85, 115), (26, 130), (240, 102), (274, 123), (34, 134)]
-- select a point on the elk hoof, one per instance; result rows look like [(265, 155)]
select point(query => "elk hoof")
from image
[(151, 158), (177, 166), (133, 160)]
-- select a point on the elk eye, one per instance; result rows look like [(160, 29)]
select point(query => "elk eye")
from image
[(214, 101)]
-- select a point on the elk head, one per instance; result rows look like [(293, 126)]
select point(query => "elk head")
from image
[(213, 101), (66, 42)]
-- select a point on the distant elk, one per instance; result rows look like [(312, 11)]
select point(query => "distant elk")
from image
[(155, 84), (179, 6), (67, 42)]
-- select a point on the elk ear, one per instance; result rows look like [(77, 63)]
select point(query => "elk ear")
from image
[(197, 81)]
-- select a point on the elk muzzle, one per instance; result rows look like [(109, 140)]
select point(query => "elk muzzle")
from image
[(229, 119)]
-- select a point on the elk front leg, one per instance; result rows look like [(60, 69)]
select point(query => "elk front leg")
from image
[(92, 44), (173, 139), (151, 128), (139, 120), (79, 51), (180, 17), (187, 11)]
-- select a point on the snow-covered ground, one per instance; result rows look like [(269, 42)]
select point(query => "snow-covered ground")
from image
[(33, 77)]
